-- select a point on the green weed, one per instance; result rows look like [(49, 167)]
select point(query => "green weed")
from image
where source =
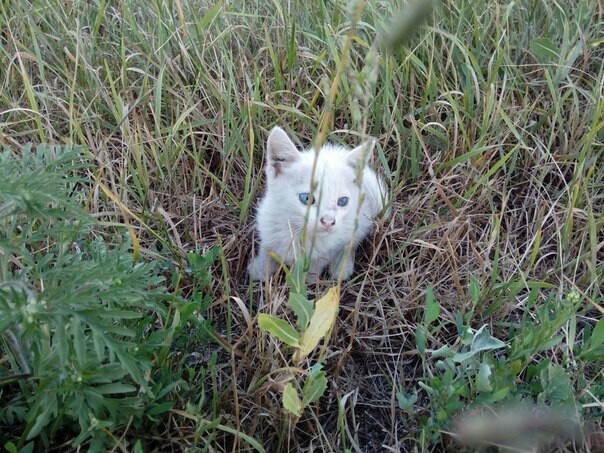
[(489, 125)]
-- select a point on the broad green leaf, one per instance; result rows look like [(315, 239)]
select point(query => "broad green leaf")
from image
[(432, 307), (420, 340), (557, 386), (7, 322), (291, 400), (315, 370), (302, 308), (482, 380), (138, 447), (161, 408), (42, 420), (296, 278), (459, 323), (322, 319), (426, 387), (482, 341), (467, 336), (314, 387), (176, 321), (279, 328), (545, 50), (129, 364), (406, 400), (474, 291), (501, 394), (550, 343), (28, 448), (121, 330), (115, 388), (597, 336), (443, 351)]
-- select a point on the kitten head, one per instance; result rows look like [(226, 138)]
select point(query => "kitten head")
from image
[(332, 201)]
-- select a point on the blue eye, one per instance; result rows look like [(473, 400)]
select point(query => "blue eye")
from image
[(342, 201), (306, 198)]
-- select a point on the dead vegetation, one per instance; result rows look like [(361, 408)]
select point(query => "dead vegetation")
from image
[(492, 151)]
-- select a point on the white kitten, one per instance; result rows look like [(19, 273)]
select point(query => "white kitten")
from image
[(332, 217)]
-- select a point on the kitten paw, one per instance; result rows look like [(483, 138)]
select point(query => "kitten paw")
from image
[(311, 278), (261, 267), (335, 269), (255, 269)]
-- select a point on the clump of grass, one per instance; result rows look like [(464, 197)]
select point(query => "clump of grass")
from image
[(489, 124)]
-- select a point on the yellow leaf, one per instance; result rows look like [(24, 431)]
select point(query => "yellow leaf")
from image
[(291, 400), (321, 321)]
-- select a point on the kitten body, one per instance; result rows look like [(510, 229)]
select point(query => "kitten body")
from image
[(334, 206)]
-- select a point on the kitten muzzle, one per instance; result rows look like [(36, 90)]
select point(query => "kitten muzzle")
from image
[(328, 222)]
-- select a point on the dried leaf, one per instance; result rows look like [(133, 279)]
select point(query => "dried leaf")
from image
[(322, 319)]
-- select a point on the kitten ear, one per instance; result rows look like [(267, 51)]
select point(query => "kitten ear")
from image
[(281, 150), (361, 154)]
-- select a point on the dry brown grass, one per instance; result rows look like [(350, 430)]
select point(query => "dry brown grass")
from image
[(492, 153)]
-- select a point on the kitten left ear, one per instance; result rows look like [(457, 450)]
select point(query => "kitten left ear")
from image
[(281, 150), (361, 154)]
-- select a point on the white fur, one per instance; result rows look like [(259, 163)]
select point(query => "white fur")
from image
[(281, 214)]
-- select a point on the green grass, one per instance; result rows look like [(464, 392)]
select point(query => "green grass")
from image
[(490, 135)]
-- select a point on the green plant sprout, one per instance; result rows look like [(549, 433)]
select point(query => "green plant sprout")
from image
[(312, 324)]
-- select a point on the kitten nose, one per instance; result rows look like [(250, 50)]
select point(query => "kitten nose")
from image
[(328, 221)]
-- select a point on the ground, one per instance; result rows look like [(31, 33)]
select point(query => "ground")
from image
[(488, 120)]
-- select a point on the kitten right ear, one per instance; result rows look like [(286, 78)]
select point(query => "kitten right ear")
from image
[(281, 150), (361, 154)]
